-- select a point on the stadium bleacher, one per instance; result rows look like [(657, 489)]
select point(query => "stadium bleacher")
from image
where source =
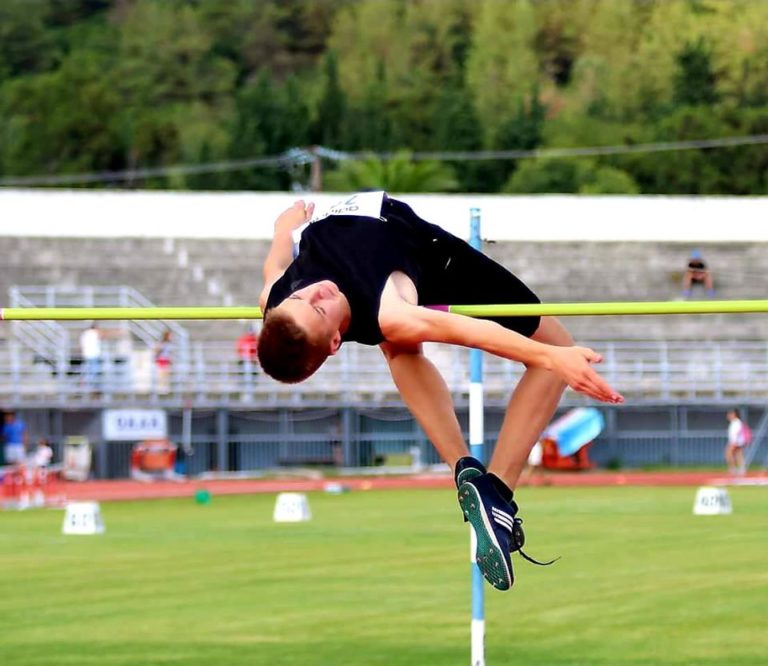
[(660, 362), (228, 272), (194, 271)]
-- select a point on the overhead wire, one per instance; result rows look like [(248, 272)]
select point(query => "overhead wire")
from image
[(302, 156)]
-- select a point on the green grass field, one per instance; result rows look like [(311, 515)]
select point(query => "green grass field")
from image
[(382, 578)]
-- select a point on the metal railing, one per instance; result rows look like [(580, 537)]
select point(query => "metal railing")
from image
[(211, 374), (48, 340), (55, 342), (48, 296)]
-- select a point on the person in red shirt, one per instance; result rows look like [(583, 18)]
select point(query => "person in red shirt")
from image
[(247, 345)]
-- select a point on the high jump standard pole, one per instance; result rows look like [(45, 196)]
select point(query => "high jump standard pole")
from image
[(476, 449)]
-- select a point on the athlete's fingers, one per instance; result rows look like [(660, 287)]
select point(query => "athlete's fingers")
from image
[(597, 387), (603, 391), (592, 356), (309, 210), (593, 385)]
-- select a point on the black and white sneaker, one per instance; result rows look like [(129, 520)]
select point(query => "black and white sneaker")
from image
[(498, 530)]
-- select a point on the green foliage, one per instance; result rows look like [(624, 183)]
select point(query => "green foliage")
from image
[(93, 85), (26, 47), (694, 79), (367, 125), (270, 118), (398, 174), (569, 176), (177, 95), (609, 180), (332, 106), (521, 131), (693, 171), (62, 121), (503, 62)]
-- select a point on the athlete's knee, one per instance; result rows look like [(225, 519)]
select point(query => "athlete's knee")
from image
[(552, 332)]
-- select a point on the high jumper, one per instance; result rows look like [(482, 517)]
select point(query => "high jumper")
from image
[(361, 272)]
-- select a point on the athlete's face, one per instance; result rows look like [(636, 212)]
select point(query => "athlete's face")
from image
[(319, 309)]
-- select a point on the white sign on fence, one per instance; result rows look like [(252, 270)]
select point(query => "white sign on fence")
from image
[(129, 425)]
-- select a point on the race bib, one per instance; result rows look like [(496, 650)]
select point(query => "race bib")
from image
[(362, 204)]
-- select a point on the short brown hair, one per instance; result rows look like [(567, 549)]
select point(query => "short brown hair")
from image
[(286, 352)]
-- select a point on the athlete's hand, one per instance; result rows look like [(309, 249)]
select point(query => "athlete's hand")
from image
[(295, 216), (574, 366)]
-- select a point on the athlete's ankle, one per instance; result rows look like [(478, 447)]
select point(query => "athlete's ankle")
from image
[(501, 487)]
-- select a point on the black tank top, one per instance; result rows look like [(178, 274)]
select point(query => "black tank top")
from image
[(358, 254)]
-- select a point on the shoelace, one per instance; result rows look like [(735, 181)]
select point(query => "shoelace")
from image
[(518, 546)]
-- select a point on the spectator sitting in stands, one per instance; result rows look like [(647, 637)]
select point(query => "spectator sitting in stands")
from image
[(163, 356), (362, 273), (247, 354), (697, 273)]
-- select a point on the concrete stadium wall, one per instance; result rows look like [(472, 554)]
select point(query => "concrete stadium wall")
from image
[(98, 213)]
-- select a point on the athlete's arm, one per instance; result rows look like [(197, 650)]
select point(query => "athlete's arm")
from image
[(280, 253), (403, 323)]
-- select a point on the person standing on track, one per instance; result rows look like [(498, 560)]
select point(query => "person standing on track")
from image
[(362, 273), (734, 448), (15, 438)]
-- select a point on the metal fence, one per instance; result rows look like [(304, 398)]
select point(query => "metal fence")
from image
[(350, 415), (356, 437), (646, 372)]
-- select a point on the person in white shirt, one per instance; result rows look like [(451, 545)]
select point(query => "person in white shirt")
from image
[(43, 454), (90, 350), (734, 449)]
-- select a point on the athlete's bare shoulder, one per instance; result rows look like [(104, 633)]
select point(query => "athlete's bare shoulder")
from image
[(396, 305)]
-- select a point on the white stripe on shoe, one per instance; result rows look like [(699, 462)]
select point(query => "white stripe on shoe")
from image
[(502, 518)]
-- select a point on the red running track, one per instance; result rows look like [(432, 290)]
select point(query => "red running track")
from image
[(133, 490)]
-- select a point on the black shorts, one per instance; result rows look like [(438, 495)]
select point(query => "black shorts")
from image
[(468, 277), (452, 272)]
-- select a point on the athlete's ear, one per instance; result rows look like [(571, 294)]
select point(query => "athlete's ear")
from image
[(335, 343)]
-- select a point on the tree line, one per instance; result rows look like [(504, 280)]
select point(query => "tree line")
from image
[(114, 85)]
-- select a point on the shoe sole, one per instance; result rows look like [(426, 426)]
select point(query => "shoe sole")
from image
[(489, 555), (466, 475)]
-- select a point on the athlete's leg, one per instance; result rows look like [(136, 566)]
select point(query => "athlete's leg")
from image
[(426, 395), (487, 500), (530, 409)]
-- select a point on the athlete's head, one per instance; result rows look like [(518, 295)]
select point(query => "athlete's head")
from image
[(300, 333)]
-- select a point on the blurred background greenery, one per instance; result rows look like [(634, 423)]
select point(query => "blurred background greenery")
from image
[(112, 85)]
